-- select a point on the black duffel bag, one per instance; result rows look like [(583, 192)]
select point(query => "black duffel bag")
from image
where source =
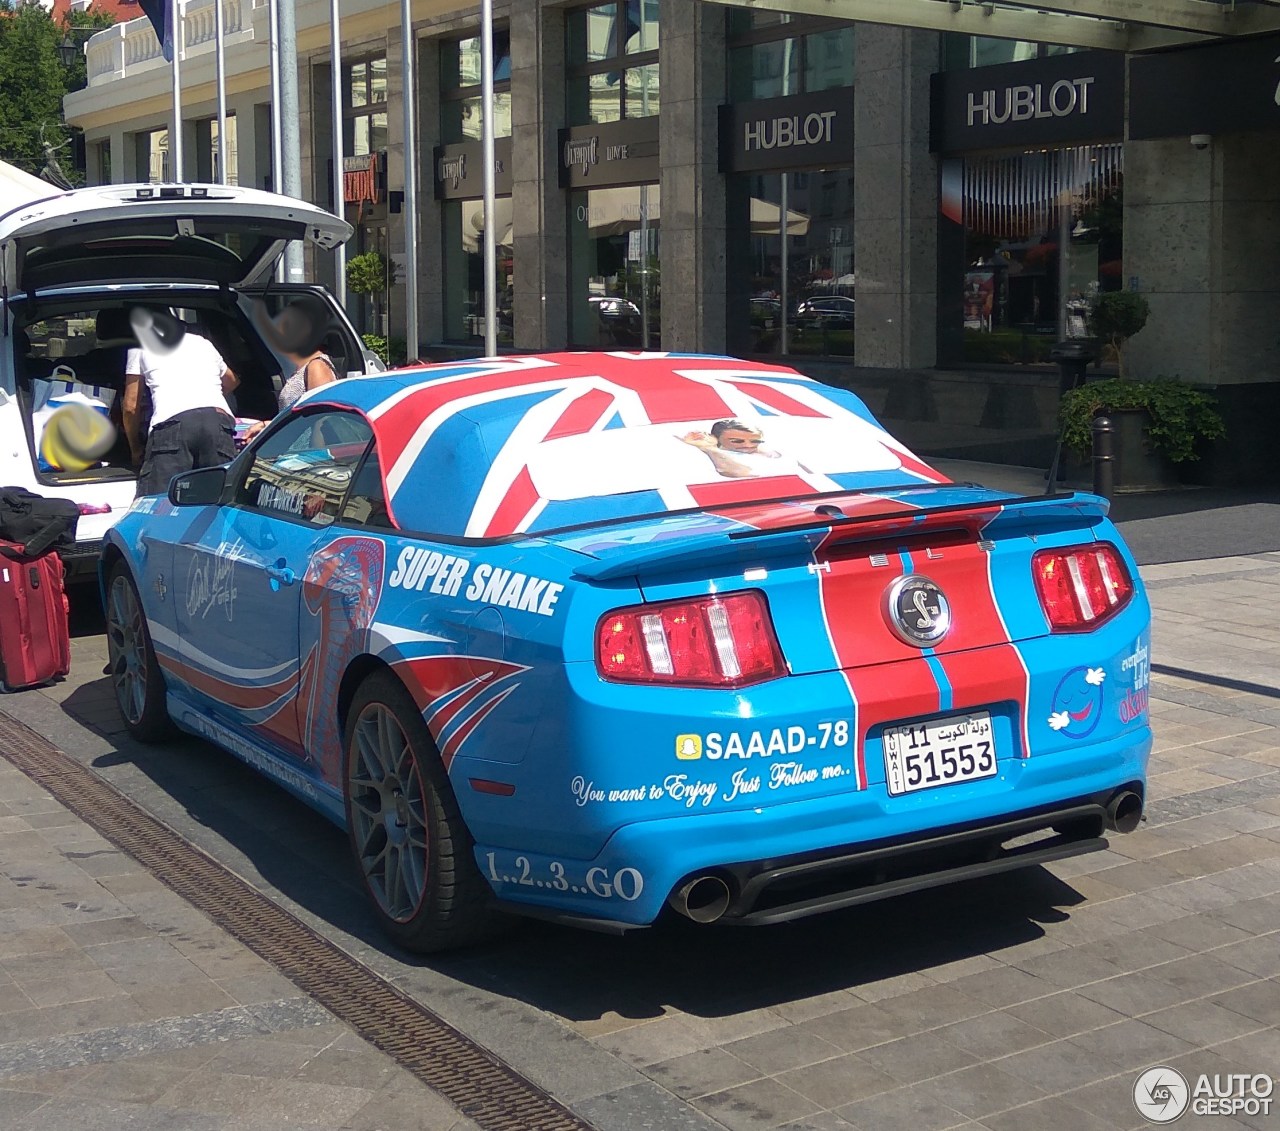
[(36, 523)]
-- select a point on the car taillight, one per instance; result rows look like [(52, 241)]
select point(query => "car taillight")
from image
[(1082, 586), (703, 642)]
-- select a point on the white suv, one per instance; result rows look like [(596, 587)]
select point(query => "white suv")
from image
[(73, 264)]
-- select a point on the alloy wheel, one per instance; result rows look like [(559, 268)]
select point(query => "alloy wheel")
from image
[(388, 812)]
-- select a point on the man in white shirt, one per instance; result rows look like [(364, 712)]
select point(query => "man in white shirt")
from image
[(187, 379)]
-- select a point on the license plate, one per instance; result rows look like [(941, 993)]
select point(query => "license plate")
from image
[(939, 752)]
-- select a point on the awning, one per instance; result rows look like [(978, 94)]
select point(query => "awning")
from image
[(1111, 25)]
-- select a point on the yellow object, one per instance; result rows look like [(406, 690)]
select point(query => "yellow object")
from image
[(76, 437)]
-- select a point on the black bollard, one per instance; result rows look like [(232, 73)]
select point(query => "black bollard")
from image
[(1104, 459)]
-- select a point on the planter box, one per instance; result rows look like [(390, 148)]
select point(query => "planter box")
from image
[(1136, 468)]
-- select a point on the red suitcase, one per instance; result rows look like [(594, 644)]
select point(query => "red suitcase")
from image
[(35, 644)]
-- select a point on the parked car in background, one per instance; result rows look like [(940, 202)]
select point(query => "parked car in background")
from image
[(621, 321), (73, 265), (604, 637), (833, 311)]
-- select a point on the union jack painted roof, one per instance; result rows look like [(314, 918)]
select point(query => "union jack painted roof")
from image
[(496, 447)]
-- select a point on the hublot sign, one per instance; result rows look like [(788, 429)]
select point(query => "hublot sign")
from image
[(1018, 103), (1061, 99), (459, 169), (784, 133)]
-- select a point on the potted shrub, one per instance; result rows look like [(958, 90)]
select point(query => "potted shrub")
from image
[(371, 273), (1114, 318), (1158, 423)]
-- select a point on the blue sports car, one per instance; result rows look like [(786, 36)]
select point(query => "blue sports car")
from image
[(591, 636)]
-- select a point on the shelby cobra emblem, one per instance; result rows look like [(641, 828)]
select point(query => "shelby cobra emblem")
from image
[(918, 611)]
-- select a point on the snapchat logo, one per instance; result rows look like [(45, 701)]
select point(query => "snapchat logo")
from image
[(688, 747)]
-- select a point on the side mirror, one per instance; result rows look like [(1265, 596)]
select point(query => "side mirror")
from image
[(200, 488)]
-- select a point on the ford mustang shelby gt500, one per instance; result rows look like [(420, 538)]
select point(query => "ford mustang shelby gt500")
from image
[(591, 635)]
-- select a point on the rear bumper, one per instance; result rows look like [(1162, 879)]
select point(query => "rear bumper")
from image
[(791, 860), (763, 892)]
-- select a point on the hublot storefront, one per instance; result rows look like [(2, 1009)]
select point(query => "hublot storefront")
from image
[(916, 215)]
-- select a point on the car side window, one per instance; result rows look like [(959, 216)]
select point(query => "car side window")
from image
[(303, 469), (366, 503)]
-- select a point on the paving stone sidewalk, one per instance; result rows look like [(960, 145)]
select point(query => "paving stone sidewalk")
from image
[(123, 1007), (1019, 1003)]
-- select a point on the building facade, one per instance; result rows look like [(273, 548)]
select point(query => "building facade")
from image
[(919, 215)]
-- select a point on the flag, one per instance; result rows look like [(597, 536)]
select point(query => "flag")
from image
[(159, 12)]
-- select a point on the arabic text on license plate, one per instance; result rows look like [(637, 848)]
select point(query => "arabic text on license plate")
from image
[(939, 752)]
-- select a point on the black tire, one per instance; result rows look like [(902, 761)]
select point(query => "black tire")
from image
[(131, 662), (407, 835)]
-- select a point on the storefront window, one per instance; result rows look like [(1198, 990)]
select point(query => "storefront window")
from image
[(365, 115), (464, 302), (156, 152), (612, 55), (233, 161), (461, 72), (1019, 213), (962, 51), (784, 57), (799, 259), (616, 291)]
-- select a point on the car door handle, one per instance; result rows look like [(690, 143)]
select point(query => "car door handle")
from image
[(280, 574)]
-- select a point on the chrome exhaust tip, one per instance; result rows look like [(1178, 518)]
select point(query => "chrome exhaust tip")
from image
[(704, 899), (1124, 811)]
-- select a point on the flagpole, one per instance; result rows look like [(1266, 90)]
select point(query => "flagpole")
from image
[(335, 97), (175, 134), (277, 145), (490, 191), (408, 69), (290, 128), (220, 62)]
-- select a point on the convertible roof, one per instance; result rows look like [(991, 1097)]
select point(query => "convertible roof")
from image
[(500, 447)]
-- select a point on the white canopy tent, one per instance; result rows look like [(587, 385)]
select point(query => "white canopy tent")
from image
[(18, 188), (616, 211), (473, 224)]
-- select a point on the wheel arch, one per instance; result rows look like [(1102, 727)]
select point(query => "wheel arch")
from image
[(360, 669), (111, 554)]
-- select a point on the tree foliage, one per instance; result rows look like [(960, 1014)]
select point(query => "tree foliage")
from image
[(1115, 316), (33, 82), (369, 273)]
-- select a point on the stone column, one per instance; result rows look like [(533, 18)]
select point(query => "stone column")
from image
[(396, 156), (120, 164), (895, 199), (430, 248), (693, 230), (1201, 243), (538, 208), (262, 155)]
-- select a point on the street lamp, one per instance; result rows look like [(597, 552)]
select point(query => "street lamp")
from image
[(67, 50)]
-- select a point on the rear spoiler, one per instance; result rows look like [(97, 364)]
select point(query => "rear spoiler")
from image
[(990, 519)]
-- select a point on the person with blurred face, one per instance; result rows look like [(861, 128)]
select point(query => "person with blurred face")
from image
[(298, 332), (188, 382)]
